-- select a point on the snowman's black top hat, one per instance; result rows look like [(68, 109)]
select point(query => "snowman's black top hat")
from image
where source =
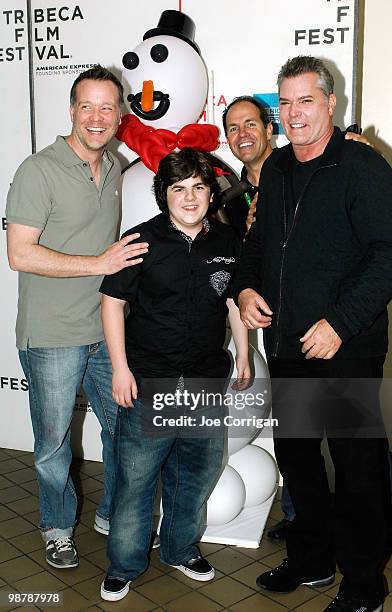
[(174, 23)]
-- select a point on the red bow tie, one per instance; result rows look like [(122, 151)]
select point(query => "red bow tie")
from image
[(153, 144)]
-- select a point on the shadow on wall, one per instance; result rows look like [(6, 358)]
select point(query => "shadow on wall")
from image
[(379, 144), (388, 361), (339, 90)]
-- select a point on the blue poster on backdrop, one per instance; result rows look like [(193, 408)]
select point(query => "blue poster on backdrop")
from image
[(271, 102)]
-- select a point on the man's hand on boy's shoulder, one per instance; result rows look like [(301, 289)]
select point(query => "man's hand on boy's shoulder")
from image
[(122, 254)]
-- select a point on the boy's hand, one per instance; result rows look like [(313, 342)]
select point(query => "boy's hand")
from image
[(124, 388), (243, 374)]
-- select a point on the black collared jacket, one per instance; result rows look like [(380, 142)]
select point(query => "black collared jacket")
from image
[(334, 260), (177, 299), (237, 209)]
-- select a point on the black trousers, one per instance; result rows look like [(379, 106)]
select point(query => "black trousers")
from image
[(352, 528)]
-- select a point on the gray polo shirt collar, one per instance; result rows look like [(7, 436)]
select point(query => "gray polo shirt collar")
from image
[(68, 156)]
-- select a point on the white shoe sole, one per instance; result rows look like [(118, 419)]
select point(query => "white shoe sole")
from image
[(195, 575), (53, 564), (102, 530), (320, 583), (111, 596)]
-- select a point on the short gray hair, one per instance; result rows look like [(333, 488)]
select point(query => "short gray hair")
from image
[(303, 64)]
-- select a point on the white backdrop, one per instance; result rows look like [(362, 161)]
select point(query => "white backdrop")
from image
[(242, 43)]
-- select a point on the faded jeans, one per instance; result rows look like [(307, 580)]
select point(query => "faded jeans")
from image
[(189, 468), (54, 376)]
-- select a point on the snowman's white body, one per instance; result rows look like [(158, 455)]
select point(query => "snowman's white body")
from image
[(183, 75), (138, 202)]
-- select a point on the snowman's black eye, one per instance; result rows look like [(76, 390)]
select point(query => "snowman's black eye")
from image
[(159, 53), (130, 60)]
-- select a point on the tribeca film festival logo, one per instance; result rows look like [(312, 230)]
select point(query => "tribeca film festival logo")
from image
[(13, 384), (337, 33), (82, 404), (13, 24), (46, 37)]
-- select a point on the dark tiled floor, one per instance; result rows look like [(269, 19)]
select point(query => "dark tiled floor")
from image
[(23, 567)]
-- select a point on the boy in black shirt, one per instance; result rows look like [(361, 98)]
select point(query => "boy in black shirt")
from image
[(178, 299)]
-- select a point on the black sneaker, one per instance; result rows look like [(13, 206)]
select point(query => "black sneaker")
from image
[(114, 589), (283, 579), (197, 569), (61, 553), (279, 531), (343, 603)]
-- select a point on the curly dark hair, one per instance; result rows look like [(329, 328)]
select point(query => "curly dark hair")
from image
[(178, 166)]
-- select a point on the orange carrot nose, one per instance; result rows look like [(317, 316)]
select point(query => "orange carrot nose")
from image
[(147, 100)]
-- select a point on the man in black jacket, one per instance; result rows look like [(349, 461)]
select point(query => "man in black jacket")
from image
[(248, 130), (316, 274)]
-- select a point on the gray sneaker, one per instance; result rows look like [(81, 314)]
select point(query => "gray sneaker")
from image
[(61, 553)]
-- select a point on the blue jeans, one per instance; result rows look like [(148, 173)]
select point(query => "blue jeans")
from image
[(286, 503), (54, 376), (189, 468)]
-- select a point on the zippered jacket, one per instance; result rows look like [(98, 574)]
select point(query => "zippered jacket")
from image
[(334, 260)]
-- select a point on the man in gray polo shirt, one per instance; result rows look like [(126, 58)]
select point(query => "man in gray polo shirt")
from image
[(63, 213)]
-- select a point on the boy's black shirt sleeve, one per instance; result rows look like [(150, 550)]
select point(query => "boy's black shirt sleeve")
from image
[(123, 285)]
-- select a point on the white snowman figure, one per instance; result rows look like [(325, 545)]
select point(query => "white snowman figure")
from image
[(169, 84)]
